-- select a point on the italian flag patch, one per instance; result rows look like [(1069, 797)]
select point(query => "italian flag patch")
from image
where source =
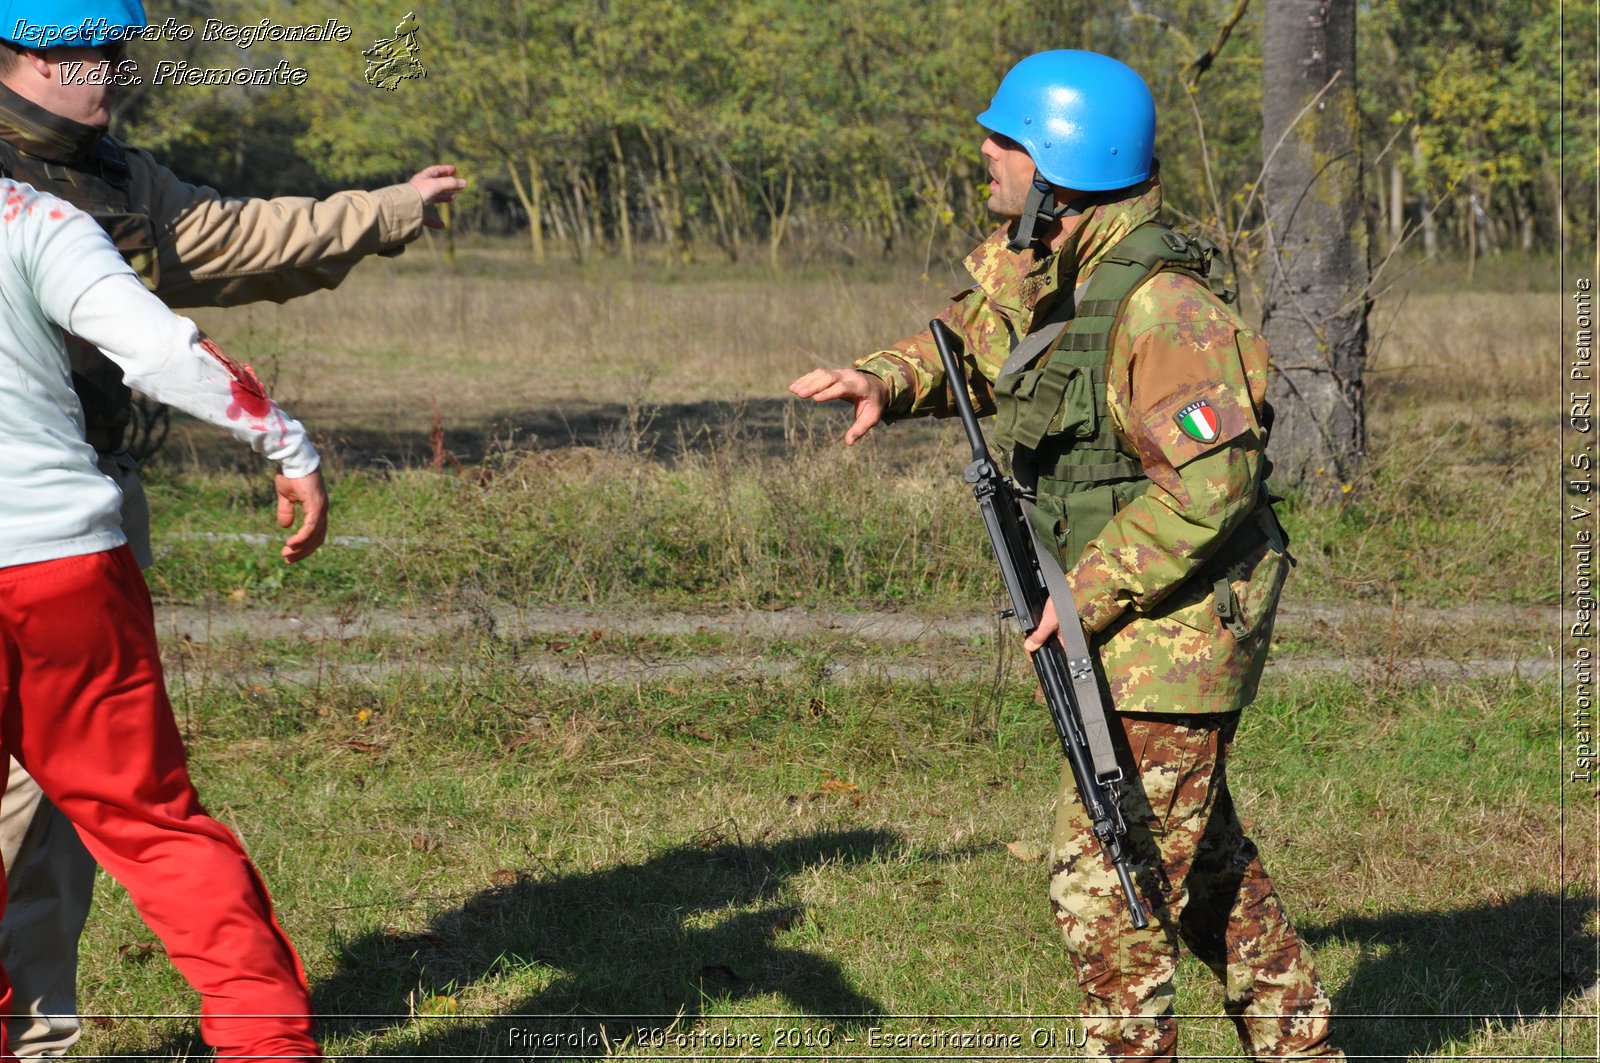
[(1199, 421)]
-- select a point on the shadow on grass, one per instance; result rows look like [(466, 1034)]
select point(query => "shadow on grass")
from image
[(1428, 979), (661, 432), (622, 946)]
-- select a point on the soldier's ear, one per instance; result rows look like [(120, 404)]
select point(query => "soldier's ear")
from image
[(37, 65)]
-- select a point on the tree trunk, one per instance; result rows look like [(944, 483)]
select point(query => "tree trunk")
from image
[(1318, 293), (1397, 204), (722, 213), (778, 224), (536, 209), (624, 221), (1430, 235), (531, 196)]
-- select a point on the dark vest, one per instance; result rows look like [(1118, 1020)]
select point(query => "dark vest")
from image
[(99, 186)]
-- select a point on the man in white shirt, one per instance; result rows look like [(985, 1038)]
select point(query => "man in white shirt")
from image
[(83, 704), (59, 62)]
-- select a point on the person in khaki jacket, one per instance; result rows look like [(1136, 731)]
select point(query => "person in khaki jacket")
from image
[(192, 247)]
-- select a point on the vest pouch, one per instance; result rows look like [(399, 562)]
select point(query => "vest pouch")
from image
[(135, 238), (1072, 521), (1056, 399)]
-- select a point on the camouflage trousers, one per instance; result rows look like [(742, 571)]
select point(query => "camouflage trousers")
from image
[(1204, 884)]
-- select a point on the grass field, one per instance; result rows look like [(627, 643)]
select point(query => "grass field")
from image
[(664, 829)]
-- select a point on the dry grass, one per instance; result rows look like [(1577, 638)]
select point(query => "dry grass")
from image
[(641, 365), (495, 339)]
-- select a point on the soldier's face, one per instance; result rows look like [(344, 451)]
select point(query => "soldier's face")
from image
[(81, 85), (1010, 175)]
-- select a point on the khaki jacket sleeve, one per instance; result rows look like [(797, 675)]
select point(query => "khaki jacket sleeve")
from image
[(1182, 392), (217, 251)]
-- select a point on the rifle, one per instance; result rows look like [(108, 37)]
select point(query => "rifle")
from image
[(1069, 683)]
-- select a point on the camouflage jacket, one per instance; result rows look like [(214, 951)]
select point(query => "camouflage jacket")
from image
[(1148, 586)]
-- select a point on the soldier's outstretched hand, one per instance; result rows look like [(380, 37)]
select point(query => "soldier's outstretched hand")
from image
[(865, 391)]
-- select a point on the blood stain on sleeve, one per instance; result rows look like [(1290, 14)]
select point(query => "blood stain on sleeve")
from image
[(249, 397)]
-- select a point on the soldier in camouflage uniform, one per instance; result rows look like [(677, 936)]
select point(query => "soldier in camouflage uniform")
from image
[(1138, 420)]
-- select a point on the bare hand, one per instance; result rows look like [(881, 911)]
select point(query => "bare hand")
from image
[(1048, 626), (437, 184), (310, 494), (868, 393)]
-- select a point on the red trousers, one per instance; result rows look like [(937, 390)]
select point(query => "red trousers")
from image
[(83, 706)]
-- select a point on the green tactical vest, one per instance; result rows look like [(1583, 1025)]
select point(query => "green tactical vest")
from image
[(1051, 414), (98, 186)]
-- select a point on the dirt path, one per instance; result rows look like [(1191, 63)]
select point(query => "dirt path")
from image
[(587, 645)]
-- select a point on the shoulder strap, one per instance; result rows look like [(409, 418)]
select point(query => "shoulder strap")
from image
[(108, 154), (1150, 249)]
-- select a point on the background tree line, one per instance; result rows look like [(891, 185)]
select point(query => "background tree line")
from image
[(775, 129)]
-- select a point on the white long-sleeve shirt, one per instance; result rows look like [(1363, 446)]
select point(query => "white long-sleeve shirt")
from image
[(58, 270)]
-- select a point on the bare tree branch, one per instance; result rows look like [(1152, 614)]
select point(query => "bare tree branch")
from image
[(1203, 61)]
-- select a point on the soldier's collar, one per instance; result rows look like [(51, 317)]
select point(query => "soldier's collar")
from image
[(42, 133), (1108, 223)]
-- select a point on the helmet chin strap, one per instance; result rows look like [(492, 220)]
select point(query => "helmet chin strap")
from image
[(1040, 206)]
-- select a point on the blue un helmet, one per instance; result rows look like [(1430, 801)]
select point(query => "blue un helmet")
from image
[(41, 24), (1087, 120)]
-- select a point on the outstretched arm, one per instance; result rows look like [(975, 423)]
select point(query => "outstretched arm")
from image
[(216, 250), (165, 356)]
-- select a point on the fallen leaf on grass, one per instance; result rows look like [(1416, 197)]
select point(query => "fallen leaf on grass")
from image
[(138, 951), (365, 747), (1028, 854), (439, 1006), (503, 877), (839, 786)]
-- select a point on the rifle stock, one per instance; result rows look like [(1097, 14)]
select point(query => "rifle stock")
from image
[(1000, 505)]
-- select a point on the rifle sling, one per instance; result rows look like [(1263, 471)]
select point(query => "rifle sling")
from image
[(1044, 332), (1080, 660)]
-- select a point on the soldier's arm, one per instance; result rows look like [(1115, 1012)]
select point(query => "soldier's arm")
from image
[(988, 317), (218, 251), (914, 375), (1201, 490)]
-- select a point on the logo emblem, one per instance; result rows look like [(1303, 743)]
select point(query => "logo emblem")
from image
[(1199, 421)]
